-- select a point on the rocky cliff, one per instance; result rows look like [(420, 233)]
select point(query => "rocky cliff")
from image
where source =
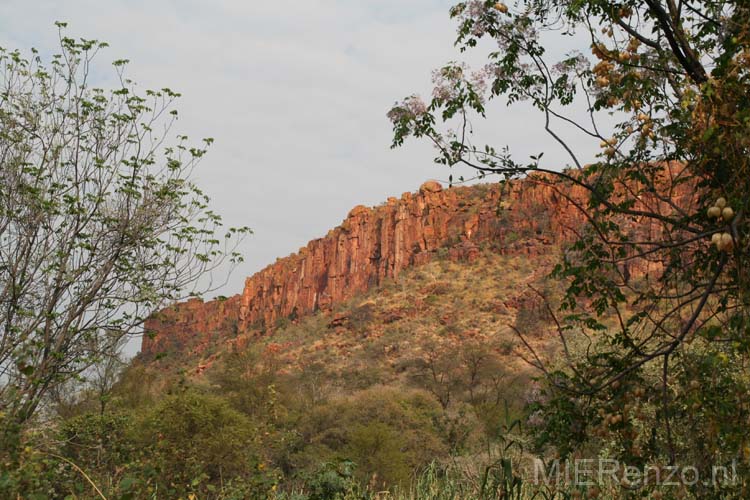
[(371, 245), (529, 217)]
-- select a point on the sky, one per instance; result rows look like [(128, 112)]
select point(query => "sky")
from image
[(295, 94)]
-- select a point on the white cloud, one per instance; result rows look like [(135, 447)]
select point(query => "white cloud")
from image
[(295, 94)]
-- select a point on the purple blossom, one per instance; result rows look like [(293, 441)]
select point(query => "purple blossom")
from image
[(576, 64), (409, 109)]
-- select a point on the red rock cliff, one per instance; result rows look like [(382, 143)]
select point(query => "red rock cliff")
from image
[(374, 244)]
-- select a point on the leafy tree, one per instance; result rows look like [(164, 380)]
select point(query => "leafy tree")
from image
[(388, 433), (94, 389), (197, 440), (665, 86), (247, 380), (100, 223)]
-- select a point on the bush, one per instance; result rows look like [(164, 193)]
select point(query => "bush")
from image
[(98, 443), (246, 380), (331, 481), (386, 432), (197, 442)]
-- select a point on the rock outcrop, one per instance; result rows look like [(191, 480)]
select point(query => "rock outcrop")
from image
[(374, 244)]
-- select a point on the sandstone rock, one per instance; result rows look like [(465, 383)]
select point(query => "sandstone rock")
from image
[(376, 244), (339, 320), (392, 317), (430, 187), (358, 210)]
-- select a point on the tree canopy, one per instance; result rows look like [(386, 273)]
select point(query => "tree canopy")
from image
[(100, 223), (665, 244)]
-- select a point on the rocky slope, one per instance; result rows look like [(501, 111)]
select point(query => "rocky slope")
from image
[(374, 244), (527, 218)]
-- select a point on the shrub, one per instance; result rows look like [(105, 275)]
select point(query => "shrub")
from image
[(97, 442), (388, 433), (197, 442)]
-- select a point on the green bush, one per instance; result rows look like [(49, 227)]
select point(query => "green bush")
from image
[(198, 440), (93, 440), (388, 433), (331, 481)]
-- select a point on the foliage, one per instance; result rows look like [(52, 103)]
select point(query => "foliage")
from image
[(386, 432), (188, 444), (247, 381), (332, 481), (99, 442), (665, 92), (100, 223)]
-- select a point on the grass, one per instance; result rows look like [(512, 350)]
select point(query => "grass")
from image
[(497, 481), (442, 301)]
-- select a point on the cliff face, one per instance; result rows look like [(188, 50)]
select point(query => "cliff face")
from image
[(374, 244), (529, 217)]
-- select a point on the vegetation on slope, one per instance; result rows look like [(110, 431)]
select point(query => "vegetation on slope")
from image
[(417, 371), (650, 374), (414, 388)]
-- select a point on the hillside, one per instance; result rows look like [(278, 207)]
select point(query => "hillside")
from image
[(372, 246), (422, 367), (388, 350), (428, 317)]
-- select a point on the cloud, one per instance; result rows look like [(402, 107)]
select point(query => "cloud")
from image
[(295, 94)]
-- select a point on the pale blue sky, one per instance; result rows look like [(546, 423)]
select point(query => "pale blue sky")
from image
[(294, 92)]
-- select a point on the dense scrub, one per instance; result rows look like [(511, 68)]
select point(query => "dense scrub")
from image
[(211, 443), (414, 389), (362, 399)]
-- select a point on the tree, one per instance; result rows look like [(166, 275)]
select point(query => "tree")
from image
[(94, 388), (105, 374), (100, 223), (666, 92)]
